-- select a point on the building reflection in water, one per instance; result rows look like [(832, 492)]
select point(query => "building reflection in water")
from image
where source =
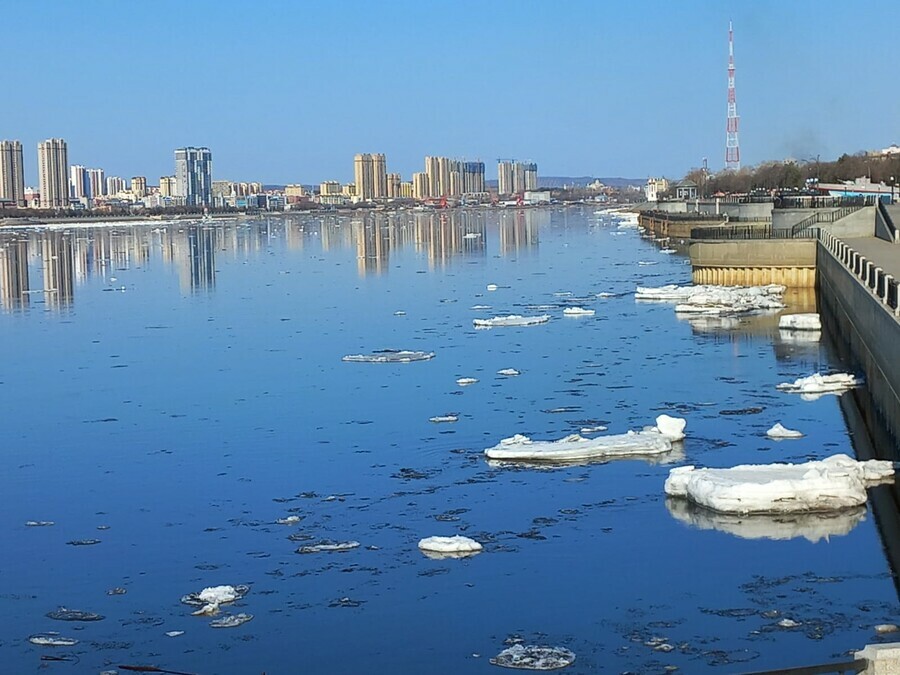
[(519, 230), (14, 288), (55, 262)]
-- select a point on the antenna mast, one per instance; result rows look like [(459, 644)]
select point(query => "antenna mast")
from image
[(732, 147)]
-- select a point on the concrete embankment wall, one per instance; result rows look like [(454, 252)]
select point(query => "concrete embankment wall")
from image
[(676, 229), (753, 263), (871, 333)]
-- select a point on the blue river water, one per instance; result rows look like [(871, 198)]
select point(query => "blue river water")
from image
[(173, 389)]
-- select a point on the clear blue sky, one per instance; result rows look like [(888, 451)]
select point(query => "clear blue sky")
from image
[(289, 91)]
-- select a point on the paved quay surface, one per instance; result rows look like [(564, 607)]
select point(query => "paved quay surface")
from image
[(882, 253)]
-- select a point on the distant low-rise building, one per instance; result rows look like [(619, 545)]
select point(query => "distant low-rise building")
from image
[(654, 188), (686, 189), (536, 197)]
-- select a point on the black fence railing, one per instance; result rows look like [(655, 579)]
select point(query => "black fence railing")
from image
[(824, 202), (675, 217), (751, 231)]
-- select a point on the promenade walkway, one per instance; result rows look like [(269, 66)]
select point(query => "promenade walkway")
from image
[(882, 253)]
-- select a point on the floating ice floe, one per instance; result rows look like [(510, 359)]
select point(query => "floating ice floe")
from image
[(174, 633), (389, 356), (209, 599), (480, 308), (289, 520), (65, 614), (51, 639), (578, 311), (449, 547), (836, 383), (715, 300), (39, 523), (779, 431), (605, 294), (594, 429), (799, 336), (399, 312), (511, 320), (466, 381), (492, 287), (231, 620), (800, 322), (883, 628), (327, 546), (837, 482), (534, 657), (444, 418), (509, 372), (83, 542), (650, 441), (777, 527)]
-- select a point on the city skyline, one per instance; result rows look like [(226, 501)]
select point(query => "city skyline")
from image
[(584, 99)]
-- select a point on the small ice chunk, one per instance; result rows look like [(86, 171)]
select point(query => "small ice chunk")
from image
[(327, 546), (444, 418), (779, 431), (480, 308), (509, 372), (231, 620), (471, 235), (836, 383), (511, 320), (837, 482), (650, 441), (65, 614), (51, 639), (605, 294), (289, 520), (39, 523), (174, 633), (534, 657), (465, 381), (593, 430), (209, 599), (789, 623), (399, 312), (389, 356), (83, 542), (883, 628), (457, 546), (492, 287), (800, 322), (578, 311)]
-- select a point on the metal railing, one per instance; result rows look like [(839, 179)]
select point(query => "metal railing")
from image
[(825, 217), (884, 286), (666, 215), (823, 202), (855, 666), (751, 231)]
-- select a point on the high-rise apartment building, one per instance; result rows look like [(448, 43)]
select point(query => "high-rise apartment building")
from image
[(330, 188), (193, 175), (167, 186), (438, 171), (139, 187), (53, 173), (420, 185), (97, 180), (79, 183), (114, 185), (370, 176), (393, 186), (12, 172), (515, 177), (473, 177)]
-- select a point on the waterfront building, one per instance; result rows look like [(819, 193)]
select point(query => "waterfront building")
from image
[(515, 177), (193, 175), (472, 177), (139, 186), (53, 173), (370, 177), (12, 172), (114, 185), (420, 185), (167, 186), (329, 188), (97, 182), (437, 169), (406, 190), (393, 186), (654, 188), (79, 184)]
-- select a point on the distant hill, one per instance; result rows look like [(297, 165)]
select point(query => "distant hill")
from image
[(581, 181)]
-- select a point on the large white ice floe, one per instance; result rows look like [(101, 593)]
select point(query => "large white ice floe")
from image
[(715, 300), (449, 547), (779, 431), (466, 381), (779, 527), (649, 441), (534, 657), (209, 599), (837, 383), (578, 311), (510, 320), (676, 293), (389, 356), (837, 482), (509, 372), (800, 322), (51, 639)]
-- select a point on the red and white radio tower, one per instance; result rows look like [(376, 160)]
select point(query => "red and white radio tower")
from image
[(732, 147)]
